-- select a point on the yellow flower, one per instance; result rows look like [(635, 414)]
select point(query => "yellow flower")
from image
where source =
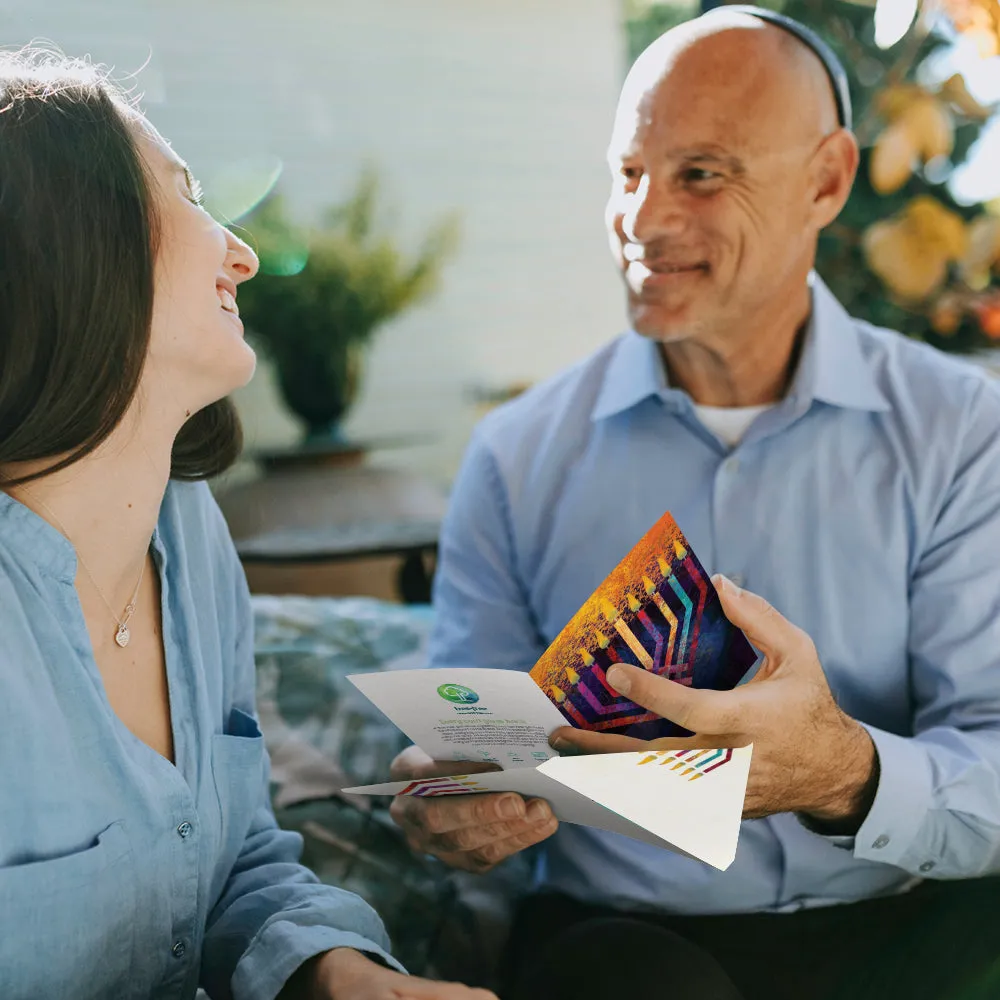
[(910, 253), (920, 128), (983, 251)]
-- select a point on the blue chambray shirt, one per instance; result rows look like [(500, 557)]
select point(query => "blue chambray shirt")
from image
[(865, 507), (122, 875)]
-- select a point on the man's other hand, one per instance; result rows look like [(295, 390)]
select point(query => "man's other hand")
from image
[(471, 832)]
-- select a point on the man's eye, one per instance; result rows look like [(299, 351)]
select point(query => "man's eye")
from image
[(631, 173), (696, 175)]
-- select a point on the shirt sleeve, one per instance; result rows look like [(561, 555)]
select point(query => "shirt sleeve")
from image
[(273, 913), (482, 614), (936, 812)]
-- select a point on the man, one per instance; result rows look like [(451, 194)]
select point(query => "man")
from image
[(847, 475)]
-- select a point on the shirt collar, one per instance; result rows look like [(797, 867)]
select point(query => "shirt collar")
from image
[(832, 369), (23, 531), (634, 372)]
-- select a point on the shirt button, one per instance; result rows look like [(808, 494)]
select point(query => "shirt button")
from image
[(184, 830), (732, 465), (178, 949), (880, 841), (927, 866)]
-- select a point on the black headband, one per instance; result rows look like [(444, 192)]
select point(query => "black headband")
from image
[(832, 65)]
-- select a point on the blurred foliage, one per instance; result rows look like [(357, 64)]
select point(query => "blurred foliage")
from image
[(323, 291), (903, 254)]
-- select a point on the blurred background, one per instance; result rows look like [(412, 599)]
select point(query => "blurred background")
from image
[(424, 183)]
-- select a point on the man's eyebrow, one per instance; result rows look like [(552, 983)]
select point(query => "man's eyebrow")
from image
[(703, 155), (694, 154)]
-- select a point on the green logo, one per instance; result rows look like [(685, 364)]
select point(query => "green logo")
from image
[(458, 694)]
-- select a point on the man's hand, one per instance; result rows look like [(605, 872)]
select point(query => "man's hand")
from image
[(808, 757), (471, 832), (344, 974)]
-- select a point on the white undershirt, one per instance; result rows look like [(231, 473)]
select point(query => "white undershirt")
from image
[(730, 423)]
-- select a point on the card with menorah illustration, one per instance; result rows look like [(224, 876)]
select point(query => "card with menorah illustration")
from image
[(657, 609)]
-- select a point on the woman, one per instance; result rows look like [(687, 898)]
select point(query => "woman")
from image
[(139, 856)]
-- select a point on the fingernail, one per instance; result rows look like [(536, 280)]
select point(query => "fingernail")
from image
[(511, 807), (538, 811), (723, 583), (559, 744), (619, 680)]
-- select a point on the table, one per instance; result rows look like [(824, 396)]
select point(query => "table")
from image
[(412, 539)]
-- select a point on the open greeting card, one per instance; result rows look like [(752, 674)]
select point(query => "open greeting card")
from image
[(657, 610)]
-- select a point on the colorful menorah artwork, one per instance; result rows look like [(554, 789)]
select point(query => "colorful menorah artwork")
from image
[(657, 609), (458, 784), (688, 764)]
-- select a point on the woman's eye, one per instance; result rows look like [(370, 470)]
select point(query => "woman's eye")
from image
[(196, 196)]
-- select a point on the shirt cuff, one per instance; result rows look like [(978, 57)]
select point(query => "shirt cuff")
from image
[(283, 946), (902, 801)]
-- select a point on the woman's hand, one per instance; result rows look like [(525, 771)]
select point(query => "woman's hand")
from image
[(808, 756), (345, 974)]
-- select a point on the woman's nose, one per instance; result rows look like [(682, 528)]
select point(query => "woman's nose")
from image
[(240, 259)]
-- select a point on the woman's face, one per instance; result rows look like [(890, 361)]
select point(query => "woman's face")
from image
[(197, 351)]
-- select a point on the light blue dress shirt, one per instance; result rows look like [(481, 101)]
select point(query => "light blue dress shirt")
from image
[(122, 875), (865, 507)]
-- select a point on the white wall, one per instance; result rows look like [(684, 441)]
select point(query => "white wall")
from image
[(498, 108)]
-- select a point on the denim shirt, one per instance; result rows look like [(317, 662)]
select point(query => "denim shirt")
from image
[(865, 507), (121, 874)]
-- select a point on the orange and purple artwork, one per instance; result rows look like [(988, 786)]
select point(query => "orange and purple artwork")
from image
[(657, 609)]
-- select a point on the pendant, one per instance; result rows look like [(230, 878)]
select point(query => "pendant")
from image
[(122, 636)]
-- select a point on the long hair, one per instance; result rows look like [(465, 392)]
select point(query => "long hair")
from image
[(78, 245)]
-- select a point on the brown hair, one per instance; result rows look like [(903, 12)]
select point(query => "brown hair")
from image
[(78, 241)]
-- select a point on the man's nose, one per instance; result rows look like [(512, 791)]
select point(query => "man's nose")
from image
[(652, 212)]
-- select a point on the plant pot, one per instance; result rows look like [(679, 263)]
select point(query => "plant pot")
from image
[(320, 389)]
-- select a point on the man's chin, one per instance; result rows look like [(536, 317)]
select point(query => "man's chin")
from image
[(664, 325)]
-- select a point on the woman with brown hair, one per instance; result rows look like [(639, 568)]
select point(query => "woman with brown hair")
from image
[(139, 856)]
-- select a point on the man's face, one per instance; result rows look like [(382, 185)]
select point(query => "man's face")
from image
[(709, 210)]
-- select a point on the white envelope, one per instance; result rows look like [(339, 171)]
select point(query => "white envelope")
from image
[(690, 802)]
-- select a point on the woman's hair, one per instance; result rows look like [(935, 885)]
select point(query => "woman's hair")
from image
[(78, 243)]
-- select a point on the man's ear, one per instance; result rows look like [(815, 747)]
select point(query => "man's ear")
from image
[(834, 167)]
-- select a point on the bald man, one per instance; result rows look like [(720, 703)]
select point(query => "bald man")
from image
[(848, 477)]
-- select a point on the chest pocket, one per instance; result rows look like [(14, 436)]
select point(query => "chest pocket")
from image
[(67, 923), (238, 772)]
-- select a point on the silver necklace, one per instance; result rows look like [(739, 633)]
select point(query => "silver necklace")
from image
[(122, 635)]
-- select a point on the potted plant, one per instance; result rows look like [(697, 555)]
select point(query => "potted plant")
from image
[(321, 294)]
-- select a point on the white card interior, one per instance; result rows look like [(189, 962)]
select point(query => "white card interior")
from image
[(691, 802)]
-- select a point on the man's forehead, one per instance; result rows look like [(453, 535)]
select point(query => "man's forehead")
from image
[(684, 128)]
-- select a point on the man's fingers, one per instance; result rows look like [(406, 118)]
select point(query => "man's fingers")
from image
[(760, 622), (490, 855), (699, 710), (453, 812), (472, 838), (413, 763), (585, 741)]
